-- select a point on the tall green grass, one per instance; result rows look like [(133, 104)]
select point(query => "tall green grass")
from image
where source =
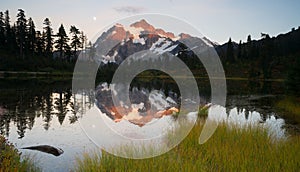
[(229, 149), (10, 160)]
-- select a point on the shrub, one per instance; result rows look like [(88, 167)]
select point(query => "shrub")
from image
[(10, 159)]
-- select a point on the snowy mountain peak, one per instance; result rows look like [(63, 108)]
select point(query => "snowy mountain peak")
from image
[(147, 28), (118, 25), (127, 40), (184, 36), (117, 33), (144, 25), (136, 30), (165, 34)]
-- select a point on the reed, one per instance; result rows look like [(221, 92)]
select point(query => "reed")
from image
[(290, 105), (229, 149)]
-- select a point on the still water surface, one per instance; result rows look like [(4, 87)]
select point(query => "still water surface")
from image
[(43, 112)]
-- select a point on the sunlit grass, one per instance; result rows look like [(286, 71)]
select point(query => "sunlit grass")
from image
[(10, 159), (229, 149)]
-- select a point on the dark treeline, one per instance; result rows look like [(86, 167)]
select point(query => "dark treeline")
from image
[(268, 58), (23, 47)]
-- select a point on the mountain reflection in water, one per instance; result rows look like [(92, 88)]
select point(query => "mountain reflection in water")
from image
[(145, 105)]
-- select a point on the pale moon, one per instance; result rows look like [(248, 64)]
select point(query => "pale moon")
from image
[(94, 18)]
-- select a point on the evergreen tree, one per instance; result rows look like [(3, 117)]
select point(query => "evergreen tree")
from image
[(230, 54), (31, 36), (249, 39), (266, 58), (13, 38), (249, 48), (9, 34), (83, 41), (40, 43), (83, 45), (62, 41), (2, 28), (48, 37), (6, 24), (75, 44), (239, 56), (21, 31), (91, 52)]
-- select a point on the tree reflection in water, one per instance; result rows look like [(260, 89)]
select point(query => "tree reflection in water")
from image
[(22, 101)]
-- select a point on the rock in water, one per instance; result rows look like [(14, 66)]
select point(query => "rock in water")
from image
[(47, 149)]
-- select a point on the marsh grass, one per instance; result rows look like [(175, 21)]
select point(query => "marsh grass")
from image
[(10, 159), (291, 105), (229, 149)]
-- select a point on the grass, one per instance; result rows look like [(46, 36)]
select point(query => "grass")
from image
[(291, 105), (10, 160), (229, 149)]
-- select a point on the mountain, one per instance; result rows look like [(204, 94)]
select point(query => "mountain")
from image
[(119, 42)]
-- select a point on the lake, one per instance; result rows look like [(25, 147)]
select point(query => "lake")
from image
[(46, 112)]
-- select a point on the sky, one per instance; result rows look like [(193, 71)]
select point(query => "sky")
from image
[(215, 19)]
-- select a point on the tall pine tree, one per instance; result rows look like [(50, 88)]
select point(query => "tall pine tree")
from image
[(48, 37), (31, 36), (249, 38), (40, 43), (62, 41), (83, 39), (239, 54), (10, 39), (2, 28), (21, 31), (266, 57), (230, 54), (249, 48), (75, 44)]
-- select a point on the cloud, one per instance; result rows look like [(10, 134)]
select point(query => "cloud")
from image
[(130, 9)]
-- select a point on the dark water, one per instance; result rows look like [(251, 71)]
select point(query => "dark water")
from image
[(42, 111)]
